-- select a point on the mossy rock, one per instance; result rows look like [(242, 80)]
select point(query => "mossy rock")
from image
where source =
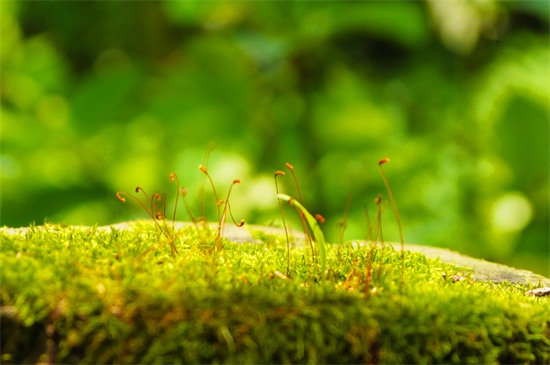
[(117, 295)]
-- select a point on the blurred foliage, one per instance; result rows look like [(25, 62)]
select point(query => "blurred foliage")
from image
[(103, 96)]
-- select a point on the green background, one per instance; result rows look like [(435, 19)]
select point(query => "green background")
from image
[(103, 96)]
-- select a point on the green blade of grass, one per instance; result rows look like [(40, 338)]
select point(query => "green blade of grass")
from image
[(315, 229)]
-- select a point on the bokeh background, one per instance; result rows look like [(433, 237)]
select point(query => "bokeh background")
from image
[(103, 96)]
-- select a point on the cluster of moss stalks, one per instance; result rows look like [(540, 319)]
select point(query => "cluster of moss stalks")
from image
[(73, 295)]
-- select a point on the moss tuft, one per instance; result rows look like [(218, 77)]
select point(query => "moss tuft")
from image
[(74, 295)]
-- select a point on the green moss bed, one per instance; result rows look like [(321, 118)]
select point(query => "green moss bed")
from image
[(86, 295)]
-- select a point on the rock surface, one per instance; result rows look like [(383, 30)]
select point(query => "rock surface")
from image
[(482, 270)]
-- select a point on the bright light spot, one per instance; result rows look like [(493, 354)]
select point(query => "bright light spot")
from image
[(511, 213), (100, 288), (262, 193), (225, 168)]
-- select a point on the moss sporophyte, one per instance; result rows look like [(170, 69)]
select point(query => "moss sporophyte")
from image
[(163, 291)]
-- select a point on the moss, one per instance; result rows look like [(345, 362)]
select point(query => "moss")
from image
[(118, 296)]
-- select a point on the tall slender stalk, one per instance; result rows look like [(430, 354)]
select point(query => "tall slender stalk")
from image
[(396, 211), (281, 173)]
